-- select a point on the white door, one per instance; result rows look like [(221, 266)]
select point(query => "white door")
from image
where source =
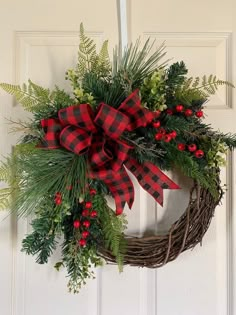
[(38, 40)]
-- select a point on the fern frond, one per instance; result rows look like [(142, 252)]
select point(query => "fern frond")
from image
[(22, 95), (103, 56), (199, 89), (103, 60), (210, 85), (87, 55), (113, 229), (196, 82), (5, 170), (5, 194), (31, 97), (39, 92)]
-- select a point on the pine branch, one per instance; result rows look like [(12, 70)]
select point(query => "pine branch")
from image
[(135, 64), (39, 242), (56, 170)]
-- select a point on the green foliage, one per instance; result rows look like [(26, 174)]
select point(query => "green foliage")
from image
[(113, 229), (199, 89), (5, 195), (28, 96), (89, 60), (216, 153), (208, 85), (153, 91), (87, 55), (56, 170), (38, 100), (175, 78), (10, 175), (191, 168), (103, 60), (227, 139), (176, 75), (42, 241), (78, 262), (132, 66), (111, 93)]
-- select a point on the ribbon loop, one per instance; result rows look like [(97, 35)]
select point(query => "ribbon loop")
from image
[(75, 139), (111, 121), (139, 116), (78, 115), (100, 153), (52, 128)]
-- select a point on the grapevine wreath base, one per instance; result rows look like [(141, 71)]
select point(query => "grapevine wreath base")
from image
[(157, 250), (134, 113)]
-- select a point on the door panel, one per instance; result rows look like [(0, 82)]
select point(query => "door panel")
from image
[(202, 34), (39, 40)]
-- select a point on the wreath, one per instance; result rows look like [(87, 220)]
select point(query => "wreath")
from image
[(136, 114)]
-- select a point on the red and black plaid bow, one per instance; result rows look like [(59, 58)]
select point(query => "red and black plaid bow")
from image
[(80, 130)]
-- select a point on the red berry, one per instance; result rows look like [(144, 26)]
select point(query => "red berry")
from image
[(188, 112), (179, 108), (157, 113), (85, 213), (199, 113), (181, 146), (85, 234), (156, 124), (169, 111), (58, 198), (192, 147), (88, 204), (92, 191), (58, 201), (93, 214), (162, 131), (199, 154), (158, 136), (69, 187), (86, 224), (82, 242), (167, 138), (76, 224), (173, 134)]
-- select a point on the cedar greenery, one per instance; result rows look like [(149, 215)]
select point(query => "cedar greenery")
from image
[(35, 176)]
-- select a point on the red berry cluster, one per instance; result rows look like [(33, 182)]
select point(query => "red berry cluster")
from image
[(85, 222), (191, 148), (187, 112), (161, 134)]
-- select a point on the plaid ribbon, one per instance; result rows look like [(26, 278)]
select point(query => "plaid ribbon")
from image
[(79, 129)]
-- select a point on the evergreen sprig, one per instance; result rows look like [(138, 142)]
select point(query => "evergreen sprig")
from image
[(136, 63), (42, 241)]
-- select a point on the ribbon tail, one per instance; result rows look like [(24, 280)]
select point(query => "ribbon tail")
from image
[(151, 178), (120, 186)]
